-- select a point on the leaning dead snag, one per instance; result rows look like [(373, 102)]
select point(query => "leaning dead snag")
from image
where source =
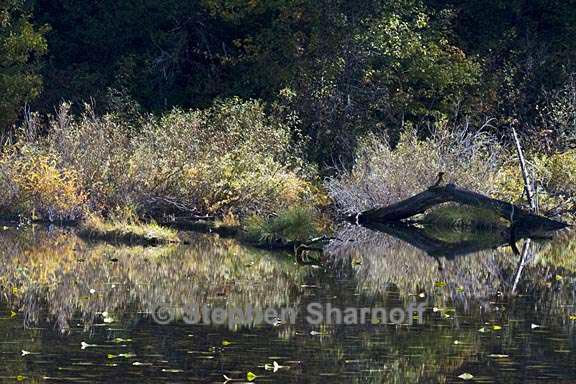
[(530, 195), (519, 217)]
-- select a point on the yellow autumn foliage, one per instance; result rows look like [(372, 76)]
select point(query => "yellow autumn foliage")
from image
[(41, 188)]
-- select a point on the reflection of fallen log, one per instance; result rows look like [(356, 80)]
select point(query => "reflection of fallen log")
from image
[(435, 247), (435, 195)]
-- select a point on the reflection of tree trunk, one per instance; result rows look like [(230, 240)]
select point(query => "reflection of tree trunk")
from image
[(435, 247), (451, 193), (521, 264)]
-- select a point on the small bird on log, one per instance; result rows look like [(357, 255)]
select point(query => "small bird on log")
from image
[(439, 180)]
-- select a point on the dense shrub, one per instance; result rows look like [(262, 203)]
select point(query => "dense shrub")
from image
[(36, 187), (557, 116), (556, 182), (382, 175), (229, 157), (232, 157)]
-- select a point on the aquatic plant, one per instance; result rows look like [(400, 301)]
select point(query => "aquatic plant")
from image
[(126, 231), (291, 225)]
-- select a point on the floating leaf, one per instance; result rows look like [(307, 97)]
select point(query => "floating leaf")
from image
[(226, 343), (119, 340), (137, 363), (127, 355), (84, 345), (572, 317), (466, 376), (15, 290), (274, 367), (558, 277), (13, 314), (250, 376), (20, 378), (496, 327), (440, 284)]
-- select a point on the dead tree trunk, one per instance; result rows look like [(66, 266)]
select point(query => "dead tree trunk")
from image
[(419, 203), (527, 184)]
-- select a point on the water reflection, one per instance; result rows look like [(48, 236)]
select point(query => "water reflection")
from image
[(59, 292), (56, 272)]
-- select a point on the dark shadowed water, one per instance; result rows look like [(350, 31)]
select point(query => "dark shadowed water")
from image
[(72, 311)]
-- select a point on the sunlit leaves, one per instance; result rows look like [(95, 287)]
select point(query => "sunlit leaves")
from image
[(21, 44)]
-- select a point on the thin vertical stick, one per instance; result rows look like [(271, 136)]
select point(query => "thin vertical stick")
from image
[(521, 264), (527, 185)]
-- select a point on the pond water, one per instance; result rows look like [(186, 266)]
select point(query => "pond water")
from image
[(74, 311)]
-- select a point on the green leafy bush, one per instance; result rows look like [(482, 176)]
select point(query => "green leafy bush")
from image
[(556, 182)]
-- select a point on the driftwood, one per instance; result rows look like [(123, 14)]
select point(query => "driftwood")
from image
[(519, 217)]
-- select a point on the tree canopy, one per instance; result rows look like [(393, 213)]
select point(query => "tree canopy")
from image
[(342, 68)]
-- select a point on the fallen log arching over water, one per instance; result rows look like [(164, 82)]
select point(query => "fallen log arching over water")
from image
[(417, 204)]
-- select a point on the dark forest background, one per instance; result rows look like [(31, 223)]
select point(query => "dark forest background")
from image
[(341, 69)]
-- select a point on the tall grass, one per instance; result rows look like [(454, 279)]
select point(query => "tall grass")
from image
[(291, 225), (126, 231)]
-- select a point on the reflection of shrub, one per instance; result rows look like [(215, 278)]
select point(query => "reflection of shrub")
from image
[(39, 188)]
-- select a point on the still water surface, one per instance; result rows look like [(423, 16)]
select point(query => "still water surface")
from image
[(74, 311)]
